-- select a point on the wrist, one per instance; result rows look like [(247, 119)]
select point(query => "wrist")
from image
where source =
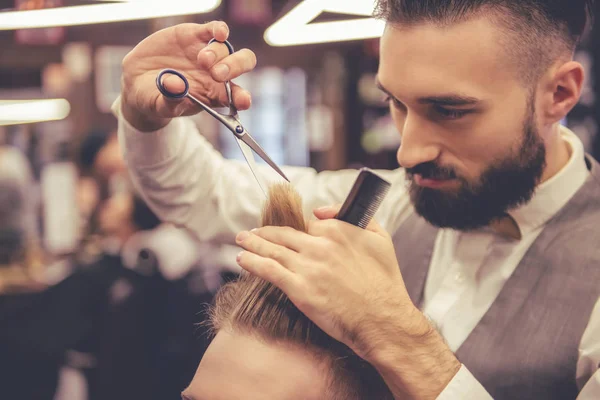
[(139, 120), (415, 362)]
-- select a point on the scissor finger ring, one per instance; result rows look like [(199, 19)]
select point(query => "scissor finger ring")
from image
[(226, 43), (167, 93)]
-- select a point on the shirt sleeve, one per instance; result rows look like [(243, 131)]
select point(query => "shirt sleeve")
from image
[(189, 183), (588, 364), (464, 386)]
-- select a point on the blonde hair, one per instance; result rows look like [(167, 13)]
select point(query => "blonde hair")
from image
[(254, 306)]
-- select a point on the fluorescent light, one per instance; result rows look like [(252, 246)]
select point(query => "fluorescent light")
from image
[(294, 28), (13, 112), (102, 13)]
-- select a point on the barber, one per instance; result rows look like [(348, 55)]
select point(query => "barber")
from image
[(509, 303)]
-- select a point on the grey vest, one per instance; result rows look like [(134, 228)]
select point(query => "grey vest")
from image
[(526, 345)]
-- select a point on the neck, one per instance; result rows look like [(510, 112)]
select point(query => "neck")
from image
[(557, 154)]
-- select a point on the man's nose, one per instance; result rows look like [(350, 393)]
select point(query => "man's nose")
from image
[(417, 145)]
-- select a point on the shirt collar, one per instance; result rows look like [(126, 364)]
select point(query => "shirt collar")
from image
[(555, 193)]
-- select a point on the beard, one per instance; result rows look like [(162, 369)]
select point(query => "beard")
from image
[(506, 184)]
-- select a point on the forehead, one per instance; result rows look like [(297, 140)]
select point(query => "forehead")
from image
[(237, 366), (425, 59)]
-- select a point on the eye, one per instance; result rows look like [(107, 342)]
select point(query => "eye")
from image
[(450, 114), (396, 103)]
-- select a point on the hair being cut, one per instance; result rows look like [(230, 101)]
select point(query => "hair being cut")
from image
[(255, 307), (536, 32)]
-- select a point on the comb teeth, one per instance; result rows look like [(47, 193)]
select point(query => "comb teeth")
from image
[(373, 206), (364, 199)]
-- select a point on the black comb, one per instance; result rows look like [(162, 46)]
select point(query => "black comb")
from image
[(364, 199)]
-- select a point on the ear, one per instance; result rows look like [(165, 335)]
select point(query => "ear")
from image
[(565, 85)]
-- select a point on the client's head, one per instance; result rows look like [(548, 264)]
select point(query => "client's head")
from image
[(265, 348)]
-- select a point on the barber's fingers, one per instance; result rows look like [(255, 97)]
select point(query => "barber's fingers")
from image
[(271, 271), (205, 32), (234, 65), (223, 67), (330, 212), (327, 212), (212, 54), (184, 107), (242, 99)]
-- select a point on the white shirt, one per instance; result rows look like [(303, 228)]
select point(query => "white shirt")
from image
[(187, 182)]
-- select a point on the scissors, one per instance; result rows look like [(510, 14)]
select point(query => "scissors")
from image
[(231, 121)]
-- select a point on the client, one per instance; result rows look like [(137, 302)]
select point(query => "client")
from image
[(265, 348)]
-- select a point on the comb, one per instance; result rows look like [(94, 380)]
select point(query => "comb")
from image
[(364, 199)]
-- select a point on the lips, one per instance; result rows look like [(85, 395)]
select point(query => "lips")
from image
[(434, 183)]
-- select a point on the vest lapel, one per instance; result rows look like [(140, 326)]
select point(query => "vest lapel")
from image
[(414, 243)]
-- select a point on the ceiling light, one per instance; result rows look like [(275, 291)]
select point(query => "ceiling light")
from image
[(295, 28), (103, 13), (14, 112)]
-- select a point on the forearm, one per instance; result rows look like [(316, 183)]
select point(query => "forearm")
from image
[(187, 182), (414, 361)]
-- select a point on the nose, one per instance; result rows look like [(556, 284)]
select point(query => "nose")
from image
[(417, 145)]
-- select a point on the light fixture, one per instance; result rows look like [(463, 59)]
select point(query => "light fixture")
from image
[(103, 13), (14, 112), (295, 28)]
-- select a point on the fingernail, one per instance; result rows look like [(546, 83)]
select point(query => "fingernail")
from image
[(239, 256), (221, 71), (323, 209), (210, 56), (242, 236)]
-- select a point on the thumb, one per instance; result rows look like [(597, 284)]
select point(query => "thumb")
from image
[(375, 227), (328, 212), (167, 107)]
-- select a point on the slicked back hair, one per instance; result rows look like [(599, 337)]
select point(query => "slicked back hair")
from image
[(253, 306)]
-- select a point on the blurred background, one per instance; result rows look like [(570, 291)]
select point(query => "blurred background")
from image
[(110, 303)]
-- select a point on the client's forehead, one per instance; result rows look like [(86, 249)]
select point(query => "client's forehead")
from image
[(238, 366)]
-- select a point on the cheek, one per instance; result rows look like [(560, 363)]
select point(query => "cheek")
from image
[(478, 145)]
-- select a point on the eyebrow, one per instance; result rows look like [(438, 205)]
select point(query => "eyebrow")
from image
[(443, 100)]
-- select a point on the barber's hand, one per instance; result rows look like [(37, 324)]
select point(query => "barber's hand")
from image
[(344, 278), (184, 48), (347, 281)]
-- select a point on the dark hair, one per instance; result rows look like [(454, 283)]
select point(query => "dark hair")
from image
[(253, 306), (540, 25)]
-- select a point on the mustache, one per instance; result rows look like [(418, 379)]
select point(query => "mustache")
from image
[(430, 170)]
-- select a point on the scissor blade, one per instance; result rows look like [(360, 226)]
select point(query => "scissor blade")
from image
[(248, 140), (247, 152)]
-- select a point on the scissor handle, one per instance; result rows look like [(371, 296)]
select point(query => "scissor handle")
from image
[(161, 87), (226, 43)]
